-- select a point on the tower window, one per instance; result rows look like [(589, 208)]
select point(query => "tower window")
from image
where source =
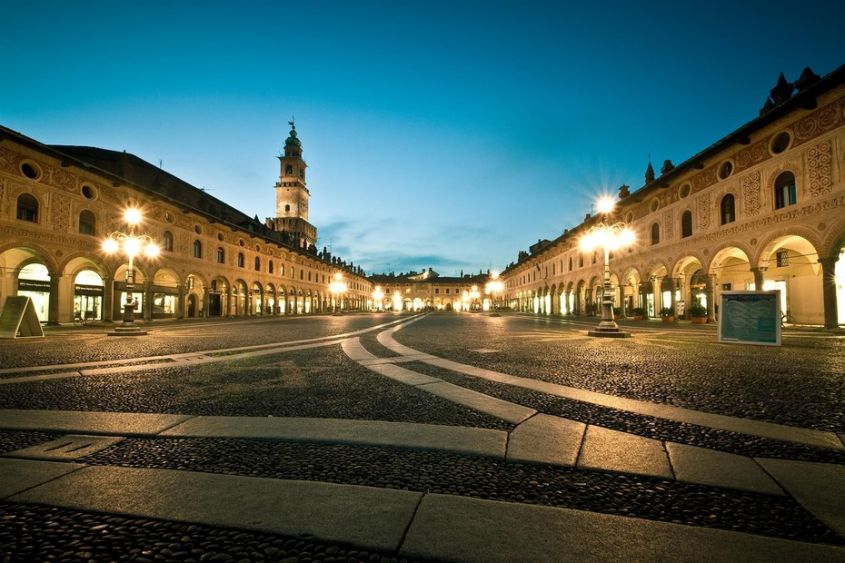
[(728, 209), (288, 170), (785, 190), (287, 208)]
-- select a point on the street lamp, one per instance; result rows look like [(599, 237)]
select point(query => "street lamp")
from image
[(378, 296), (609, 237), (494, 287), (130, 245), (337, 288)]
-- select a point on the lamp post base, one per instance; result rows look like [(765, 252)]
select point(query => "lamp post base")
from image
[(127, 330), (609, 332)]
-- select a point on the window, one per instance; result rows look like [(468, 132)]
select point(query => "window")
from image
[(27, 208), (436, 291), (302, 274), (782, 258), (86, 223), (257, 264), (287, 208), (725, 169), (288, 170), (785, 190), (780, 142), (241, 260), (221, 255), (88, 192), (282, 270), (581, 261), (270, 267), (197, 249), (684, 191), (655, 233), (30, 170), (570, 263), (728, 209), (168, 241), (686, 224)]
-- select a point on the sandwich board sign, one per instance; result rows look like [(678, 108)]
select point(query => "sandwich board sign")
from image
[(19, 319), (750, 317)]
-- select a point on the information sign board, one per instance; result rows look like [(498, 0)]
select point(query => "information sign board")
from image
[(19, 319), (750, 317)]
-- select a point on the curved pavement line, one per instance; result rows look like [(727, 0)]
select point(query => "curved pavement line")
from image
[(807, 436), (407, 523), (179, 360)]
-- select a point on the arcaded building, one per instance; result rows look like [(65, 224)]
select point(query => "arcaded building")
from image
[(429, 290), (761, 208), (58, 203)]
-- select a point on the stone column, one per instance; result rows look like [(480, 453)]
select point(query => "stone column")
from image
[(206, 303), (180, 301), (758, 277), (53, 313), (148, 301), (710, 292), (656, 287), (831, 310), (108, 299)]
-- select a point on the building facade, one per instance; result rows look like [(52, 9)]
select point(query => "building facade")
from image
[(58, 203), (762, 208), (429, 291)]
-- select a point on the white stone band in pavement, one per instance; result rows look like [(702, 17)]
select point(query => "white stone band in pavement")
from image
[(449, 528), (459, 439), (87, 422), (817, 438)]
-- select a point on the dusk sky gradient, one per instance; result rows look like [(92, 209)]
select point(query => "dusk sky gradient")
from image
[(444, 134)]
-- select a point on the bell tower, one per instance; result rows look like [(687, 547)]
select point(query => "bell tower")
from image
[(292, 194)]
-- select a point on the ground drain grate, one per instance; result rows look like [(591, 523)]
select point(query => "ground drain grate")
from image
[(68, 447)]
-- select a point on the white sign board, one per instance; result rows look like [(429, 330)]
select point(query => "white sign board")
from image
[(750, 317), (19, 319)]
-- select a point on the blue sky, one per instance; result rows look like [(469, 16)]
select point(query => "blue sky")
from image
[(444, 134)]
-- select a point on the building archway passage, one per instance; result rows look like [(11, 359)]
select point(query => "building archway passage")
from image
[(34, 282)]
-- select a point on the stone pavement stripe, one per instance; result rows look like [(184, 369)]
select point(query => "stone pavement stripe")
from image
[(818, 487), (86, 422), (611, 450), (459, 439), (719, 469), (18, 475), (400, 374), (364, 516), (510, 412), (546, 439), (352, 348), (44, 377), (469, 530), (817, 438)]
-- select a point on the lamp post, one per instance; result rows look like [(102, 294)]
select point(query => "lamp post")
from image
[(337, 288), (378, 297), (493, 288), (130, 245), (609, 237)]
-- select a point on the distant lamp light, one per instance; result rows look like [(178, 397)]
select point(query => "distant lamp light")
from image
[(110, 246), (132, 216)]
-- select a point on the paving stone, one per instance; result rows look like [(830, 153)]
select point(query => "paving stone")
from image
[(448, 528), (363, 516), (719, 469), (352, 347), (17, 475), (67, 447), (400, 374), (479, 401), (84, 422), (611, 450), (478, 441), (819, 487), (546, 439)]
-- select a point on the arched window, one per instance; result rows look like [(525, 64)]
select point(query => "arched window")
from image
[(581, 261), (270, 267), (240, 259), (785, 190), (570, 263), (221, 255), (728, 208), (197, 249), (168, 241), (86, 223), (655, 233), (257, 264), (686, 224), (27, 208)]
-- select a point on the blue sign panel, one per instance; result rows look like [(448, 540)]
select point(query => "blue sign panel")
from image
[(750, 317)]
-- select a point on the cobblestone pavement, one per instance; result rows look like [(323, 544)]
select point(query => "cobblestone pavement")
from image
[(800, 384)]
